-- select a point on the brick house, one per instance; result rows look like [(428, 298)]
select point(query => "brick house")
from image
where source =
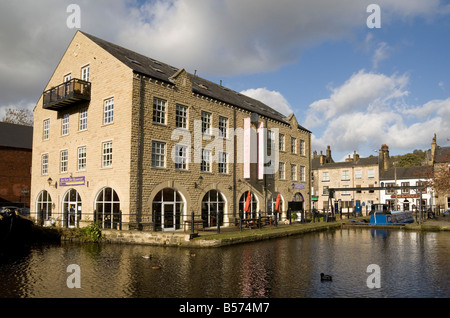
[(135, 143), (15, 166)]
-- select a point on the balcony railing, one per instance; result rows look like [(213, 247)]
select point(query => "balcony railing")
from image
[(67, 94)]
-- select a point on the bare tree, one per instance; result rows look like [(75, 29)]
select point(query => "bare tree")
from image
[(18, 116)]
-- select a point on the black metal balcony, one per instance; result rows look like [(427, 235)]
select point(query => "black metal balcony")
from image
[(67, 94)]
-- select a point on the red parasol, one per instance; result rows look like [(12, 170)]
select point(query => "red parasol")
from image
[(247, 207), (278, 204)]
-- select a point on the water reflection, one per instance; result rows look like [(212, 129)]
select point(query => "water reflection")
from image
[(412, 265)]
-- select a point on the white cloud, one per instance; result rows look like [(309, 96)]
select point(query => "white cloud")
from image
[(271, 98), (368, 110), (363, 91)]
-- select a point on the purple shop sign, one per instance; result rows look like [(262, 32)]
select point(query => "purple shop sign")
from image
[(298, 186), (72, 182)]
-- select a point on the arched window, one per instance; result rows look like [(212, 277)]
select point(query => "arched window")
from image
[(72, 208), (168, 209), (253, 205), (272, 203), (107, 207), (44, 206), (213, 202)]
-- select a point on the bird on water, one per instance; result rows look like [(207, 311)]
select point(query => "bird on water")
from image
[(324, 277)]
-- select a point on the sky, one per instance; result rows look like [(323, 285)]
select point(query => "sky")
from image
[(355, 76)]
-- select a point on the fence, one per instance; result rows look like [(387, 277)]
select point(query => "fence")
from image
[(209, 222)]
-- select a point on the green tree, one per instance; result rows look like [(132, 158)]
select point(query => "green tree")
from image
[(410, 160)]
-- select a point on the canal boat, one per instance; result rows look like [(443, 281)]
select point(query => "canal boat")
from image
[(380, 215)]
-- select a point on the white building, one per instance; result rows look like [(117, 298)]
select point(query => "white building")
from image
[(405, 199)]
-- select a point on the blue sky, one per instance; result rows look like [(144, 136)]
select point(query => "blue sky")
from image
[(354, 87)]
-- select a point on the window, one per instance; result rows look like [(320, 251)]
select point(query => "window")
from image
[(85, 73), (371, 173), (223, 125), (107, 209), (405, 184), (346, 192), (46, 132), (65, 125), (44, 205), (253, 207), (302, 148), (448, 202), (108, 114), (281, 171), (206, 123), (325, 190), (159, 111), (213, 208), (206, 160), (293, 145), (302, 173), (180, 157), (270, 142), (181, 117), (81, 158), (83, 119), (390, 185), (345, 175), (63, 161), (325, 176), (107, 154), (293, 172), (358, 174), (281, 142), (45, 164), (223, 168), (158, 154)]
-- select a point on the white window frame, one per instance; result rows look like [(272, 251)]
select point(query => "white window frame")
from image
[(46, 129), (302, 148), (282, 171), (358, 174), (159, 110), (223, 162), (281, 141), (293, 145), (85, 73), (108, 111), (206, 123), (65, 125), (44, 164), (82, 156), (345, 175), (205, 165), (181, 157), (325, 176), (223, 127), (293, 172), (83, 119), (181, 119), (302, 173), (64, 160), (158, 154), (107, 154)]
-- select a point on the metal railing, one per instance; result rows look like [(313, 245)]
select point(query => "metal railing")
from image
[(71, 91)]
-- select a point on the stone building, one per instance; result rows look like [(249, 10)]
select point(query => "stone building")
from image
[(134, 143), (354, 172)]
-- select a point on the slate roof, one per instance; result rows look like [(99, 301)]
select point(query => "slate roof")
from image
[(442, 155), (369, 161), (161, 71), (16, 136), (406, 173)]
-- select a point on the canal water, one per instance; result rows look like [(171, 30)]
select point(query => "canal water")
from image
[(410, 264)]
